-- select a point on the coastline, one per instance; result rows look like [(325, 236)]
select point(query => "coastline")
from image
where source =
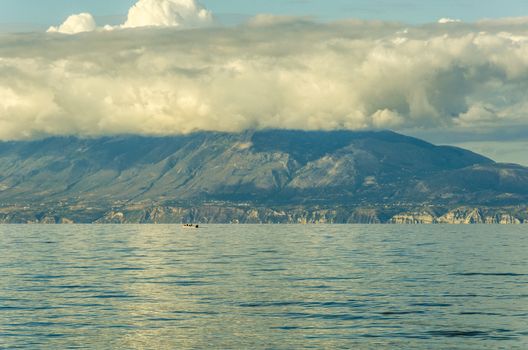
[(244, 214)]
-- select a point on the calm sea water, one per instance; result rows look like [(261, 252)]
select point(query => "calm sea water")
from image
[(264, 287)]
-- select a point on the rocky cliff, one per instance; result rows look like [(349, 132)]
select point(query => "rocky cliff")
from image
[(248, 215)]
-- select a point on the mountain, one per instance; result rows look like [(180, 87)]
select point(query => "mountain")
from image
[(254, 176)]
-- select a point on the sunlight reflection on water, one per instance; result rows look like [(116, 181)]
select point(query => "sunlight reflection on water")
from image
[(263, 286)]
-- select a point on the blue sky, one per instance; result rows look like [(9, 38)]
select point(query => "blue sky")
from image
[(29, 14)]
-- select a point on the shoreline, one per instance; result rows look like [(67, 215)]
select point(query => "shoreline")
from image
[(242, 214)]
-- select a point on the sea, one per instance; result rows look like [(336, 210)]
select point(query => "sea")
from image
[(263, 287)]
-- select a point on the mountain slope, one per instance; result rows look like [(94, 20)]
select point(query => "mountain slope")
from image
[(265, 168)]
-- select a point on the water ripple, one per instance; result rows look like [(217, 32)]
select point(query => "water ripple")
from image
[(263, 287)]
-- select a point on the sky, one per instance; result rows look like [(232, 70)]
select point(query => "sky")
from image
[(29, 14), (451, 72)]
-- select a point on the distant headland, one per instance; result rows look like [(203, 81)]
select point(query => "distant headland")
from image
[(269, 176)]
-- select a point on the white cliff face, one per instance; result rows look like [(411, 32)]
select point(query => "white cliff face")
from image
[(224, 213), (413, 218), (507, 219), (460, 216), (503, 219), (474, 217)]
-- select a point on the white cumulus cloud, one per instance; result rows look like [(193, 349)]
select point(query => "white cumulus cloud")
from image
[(280, 73), (446, 20), (167, 13), (145, 13), (83, 22)]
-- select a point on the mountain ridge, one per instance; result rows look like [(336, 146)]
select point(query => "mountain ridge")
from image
[(264, 170)]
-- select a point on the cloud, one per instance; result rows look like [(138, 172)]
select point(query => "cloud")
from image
[(281, 73), (448, 20), (81, 23), (265, 19), (145, 13), (167, 13)]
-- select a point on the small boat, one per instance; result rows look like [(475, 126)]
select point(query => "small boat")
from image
[(191, 226)]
